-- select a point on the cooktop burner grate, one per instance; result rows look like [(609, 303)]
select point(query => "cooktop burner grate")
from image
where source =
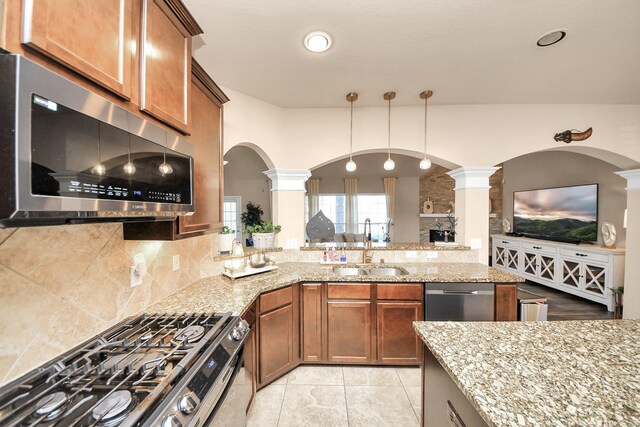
[(116, 376)]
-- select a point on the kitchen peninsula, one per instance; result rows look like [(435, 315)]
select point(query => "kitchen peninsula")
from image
[(578, 373)]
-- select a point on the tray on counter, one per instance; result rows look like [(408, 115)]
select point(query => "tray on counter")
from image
[(248, 271)]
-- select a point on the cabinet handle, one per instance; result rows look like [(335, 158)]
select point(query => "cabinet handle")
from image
[(537, 247), (578, 254), (506, 243)]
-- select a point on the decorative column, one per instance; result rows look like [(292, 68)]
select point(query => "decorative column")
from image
[(631, 299), (472, 208), (287, 202)]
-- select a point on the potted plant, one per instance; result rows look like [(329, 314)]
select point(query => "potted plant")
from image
[(250, 218), (264, 234), (227, 236), (617, 292)]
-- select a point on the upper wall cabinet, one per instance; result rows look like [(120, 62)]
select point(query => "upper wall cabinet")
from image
[(165, 61), (94, 38)]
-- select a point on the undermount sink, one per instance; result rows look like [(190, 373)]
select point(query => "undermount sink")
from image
[(349, 271), (371, 271), (387, 271)]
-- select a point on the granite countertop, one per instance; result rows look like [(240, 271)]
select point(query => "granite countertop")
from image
[(221, 294), (574, 373), (382, 246)]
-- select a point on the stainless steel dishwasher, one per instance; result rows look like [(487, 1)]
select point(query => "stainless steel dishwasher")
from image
[(459, 301)]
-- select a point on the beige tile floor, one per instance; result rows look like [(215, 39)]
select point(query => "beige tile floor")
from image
[(340, 396)]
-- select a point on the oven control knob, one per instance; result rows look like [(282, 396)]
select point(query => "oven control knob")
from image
[(171, 420), (237, 334), (188, 403)]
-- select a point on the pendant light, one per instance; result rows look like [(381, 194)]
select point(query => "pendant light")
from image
[(99, 168), (129, 168), (389, 164), (351, 165), (165, 168), (425, 163)]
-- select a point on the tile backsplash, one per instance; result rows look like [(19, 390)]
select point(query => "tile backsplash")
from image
[(62, 285)]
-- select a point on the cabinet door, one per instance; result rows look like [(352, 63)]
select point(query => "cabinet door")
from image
[(595, 279), (500, 257), (312, 322), (511, 259), (398, 343), (571, 273), (165, 66), (506, 302), (349, 331), (529, 263), (206, 124), (276, 343), (93, 38), (547, 267)]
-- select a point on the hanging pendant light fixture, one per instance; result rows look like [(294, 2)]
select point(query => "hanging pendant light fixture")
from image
[(425, 163), (99, 168), (129, 168), (389, 164), (165, 168), (351, 165)]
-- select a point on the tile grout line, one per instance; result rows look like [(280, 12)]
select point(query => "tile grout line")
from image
[(284, 396), (344, 388), (408, 397)]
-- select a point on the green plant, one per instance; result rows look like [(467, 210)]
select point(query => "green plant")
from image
[(227, 230), (253, 215), (265, 227), (617, 290)]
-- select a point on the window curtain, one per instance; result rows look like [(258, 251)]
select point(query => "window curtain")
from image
[(390, 195), (351, 205), (313, 196)]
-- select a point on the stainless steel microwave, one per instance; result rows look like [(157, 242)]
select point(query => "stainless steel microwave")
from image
[(69, 155)]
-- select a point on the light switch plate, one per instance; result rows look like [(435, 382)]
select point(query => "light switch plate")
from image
[(176, 262), (432, 254), (292, 243)]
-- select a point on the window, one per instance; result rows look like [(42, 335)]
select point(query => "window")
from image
[(373, 206), (231, 214)]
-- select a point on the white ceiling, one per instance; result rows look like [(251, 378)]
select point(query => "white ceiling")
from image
[(466, 51)]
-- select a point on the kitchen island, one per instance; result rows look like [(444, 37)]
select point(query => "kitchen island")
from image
[(575, 373)]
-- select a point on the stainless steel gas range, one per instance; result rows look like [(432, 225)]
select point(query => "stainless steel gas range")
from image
[(150, 370)]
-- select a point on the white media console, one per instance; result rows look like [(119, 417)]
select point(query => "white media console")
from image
[(588, 271)]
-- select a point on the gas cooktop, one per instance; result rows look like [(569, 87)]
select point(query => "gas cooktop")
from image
[(127, 375)]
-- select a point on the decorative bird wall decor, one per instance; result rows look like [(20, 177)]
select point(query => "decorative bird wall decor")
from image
[(573, 135)]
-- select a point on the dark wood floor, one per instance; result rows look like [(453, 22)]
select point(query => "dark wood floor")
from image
[(563, 306)]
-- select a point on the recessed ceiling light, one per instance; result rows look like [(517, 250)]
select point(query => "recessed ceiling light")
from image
[(551, 38), (317, 41)]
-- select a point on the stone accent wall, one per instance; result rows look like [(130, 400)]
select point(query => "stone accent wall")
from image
[(438, 186)]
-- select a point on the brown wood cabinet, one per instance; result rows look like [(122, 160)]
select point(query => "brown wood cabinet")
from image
[(206, 136), (506, 302), (398, 343), (279, 333), (350, 331), (94, 38), (165, 65), (312, 322)]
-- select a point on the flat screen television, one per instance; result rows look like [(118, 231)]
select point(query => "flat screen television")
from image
[(562, 213)]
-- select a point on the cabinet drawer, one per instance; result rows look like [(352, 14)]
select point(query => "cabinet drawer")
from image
[(587, 256), (276, 299), (392, 291), (349, 290), (539, 248), (506, 243)]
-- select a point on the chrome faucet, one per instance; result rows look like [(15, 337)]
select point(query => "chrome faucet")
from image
[(367, 237)]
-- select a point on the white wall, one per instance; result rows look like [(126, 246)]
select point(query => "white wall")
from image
[(557, 169), (465, 135), (244, 177)]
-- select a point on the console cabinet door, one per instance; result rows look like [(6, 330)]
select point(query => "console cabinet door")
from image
[(93, 38), (206, 126), (398, 343), (349, 331), (312, 322), (276, 343), (165, 51)]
